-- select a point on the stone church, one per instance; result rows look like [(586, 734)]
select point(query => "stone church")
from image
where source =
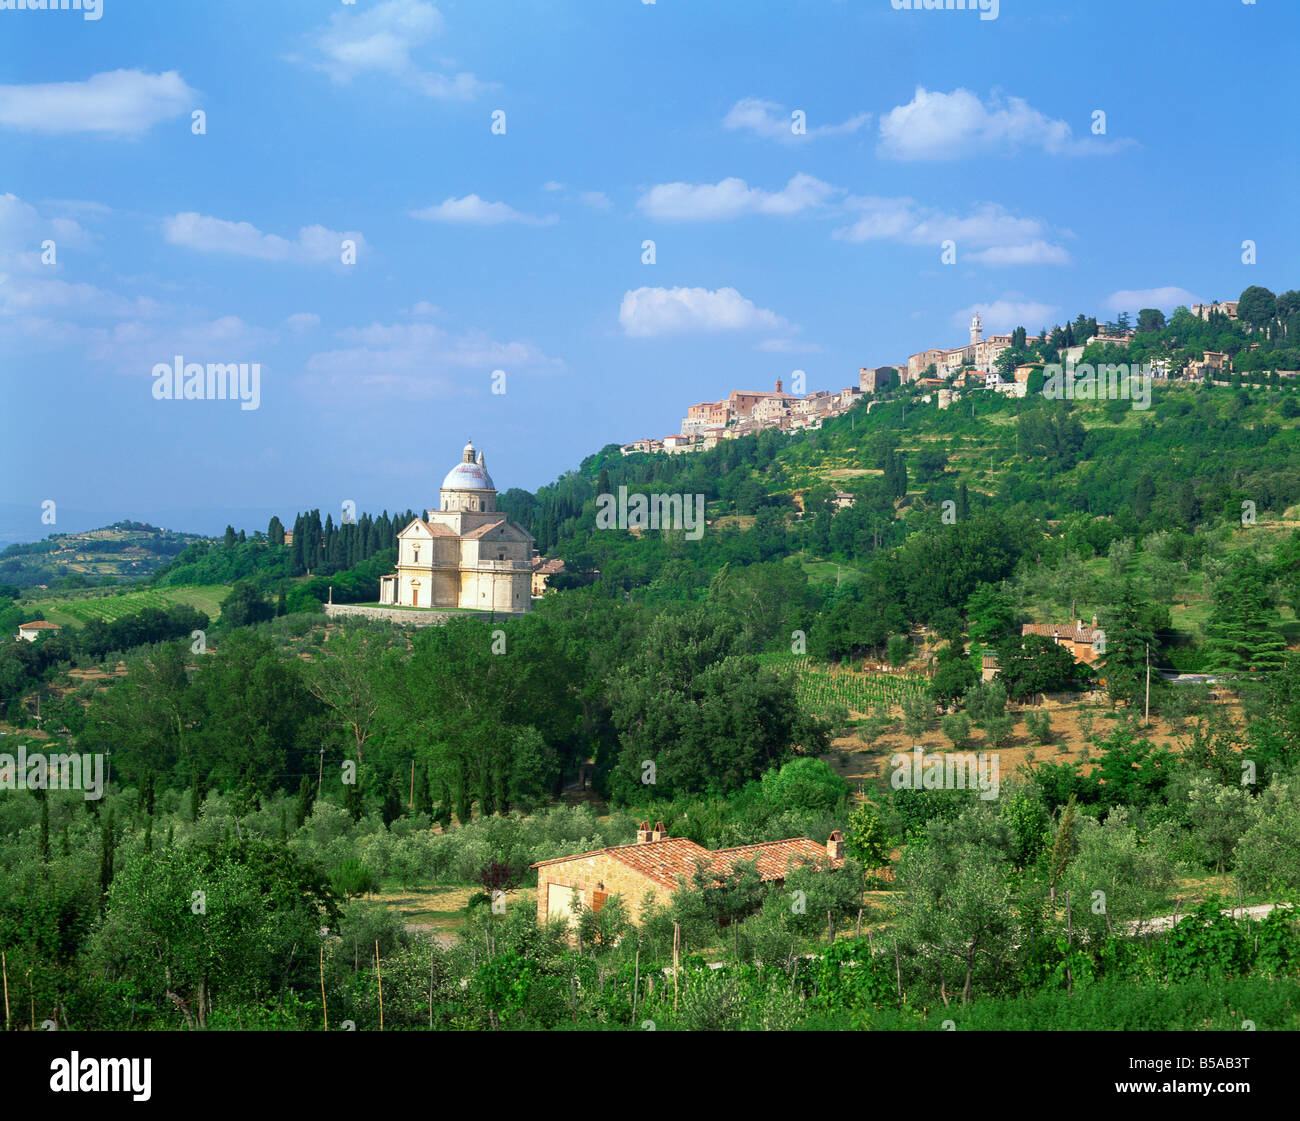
[(464, 554)]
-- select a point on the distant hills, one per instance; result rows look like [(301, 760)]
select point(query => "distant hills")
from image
[(124, 552)]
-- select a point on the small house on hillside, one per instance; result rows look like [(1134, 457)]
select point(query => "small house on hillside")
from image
[(543, 569), (30, 632), (1079, 638), (655, 863), (988, 667)]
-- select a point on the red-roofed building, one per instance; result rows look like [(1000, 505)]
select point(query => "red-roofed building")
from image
[(1079, 638), (651, 869), (30, 632)]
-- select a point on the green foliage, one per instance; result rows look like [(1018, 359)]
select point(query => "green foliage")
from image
[(867, 839), (804, 784), (351, 878)]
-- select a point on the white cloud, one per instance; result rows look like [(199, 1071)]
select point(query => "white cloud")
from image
[(37, 295), (380, 39), (416, 361), (120, 102), (314, 245), (134, 347), (646, 312), (23, 228), (474, 211), (1007, 314), (774, 122), (988, 234), (940, 126), (1135, 299), (79, 206), (422, 309), (302, 321), (597, 200), (733, 198), (1030, 253)]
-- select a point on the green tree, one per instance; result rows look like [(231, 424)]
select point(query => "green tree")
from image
[(1257, 307), (244, 606), (1240, 634), (1035, 664), (804, 784), (867, 839)]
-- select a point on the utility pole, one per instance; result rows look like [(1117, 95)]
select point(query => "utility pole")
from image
[(320, 770), (1146, 716)]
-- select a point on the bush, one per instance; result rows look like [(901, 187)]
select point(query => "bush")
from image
[(1039, 725), (957, 729), (803, 784), (352, 878)]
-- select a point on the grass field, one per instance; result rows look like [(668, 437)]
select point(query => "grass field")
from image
[(820, 571), (76, 612)]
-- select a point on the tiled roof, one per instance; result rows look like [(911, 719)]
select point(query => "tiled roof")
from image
[(39, 625), (1075, 632), (434, 529), (773, 858), (661, 861), (664, 861)]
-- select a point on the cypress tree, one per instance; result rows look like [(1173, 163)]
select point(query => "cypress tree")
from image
[(464, 797), (392, 807), (297, 556), (306, 796), (1063, 847), (106, 854), (423, 803), (353, 802), (45, 826)]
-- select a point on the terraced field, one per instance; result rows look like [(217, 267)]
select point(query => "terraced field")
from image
[(75, 612), (820, 688)]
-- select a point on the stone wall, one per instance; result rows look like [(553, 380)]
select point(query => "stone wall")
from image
[(586, 872), (405, 615)]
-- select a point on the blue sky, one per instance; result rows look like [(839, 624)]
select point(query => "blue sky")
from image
[(522, 251)]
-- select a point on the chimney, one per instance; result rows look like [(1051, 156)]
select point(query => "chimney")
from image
[(660, 833), (1094, 621), (643, 833), (835, 845)]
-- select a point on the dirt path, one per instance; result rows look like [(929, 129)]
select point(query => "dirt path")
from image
[(1166, 922)]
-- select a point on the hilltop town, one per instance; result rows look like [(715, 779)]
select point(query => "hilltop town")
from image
[(990, 363)]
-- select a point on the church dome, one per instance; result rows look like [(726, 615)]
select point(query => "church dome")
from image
[(469, 474)]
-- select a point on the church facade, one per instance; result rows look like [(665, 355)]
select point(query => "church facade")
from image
[(466, 553)]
